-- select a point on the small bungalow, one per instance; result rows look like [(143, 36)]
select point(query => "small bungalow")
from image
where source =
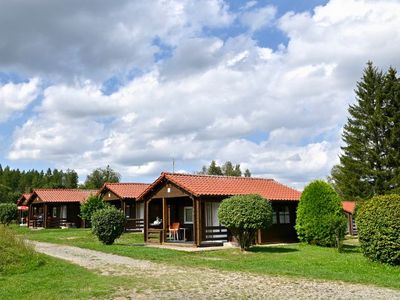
[(182, 208), (349, 208), (23, 208), (54, 208), (124, 196)]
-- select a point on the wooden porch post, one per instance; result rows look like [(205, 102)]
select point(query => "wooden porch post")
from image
[(45, 216), (146, 220), (196, 221), (29, 214), (164, 219)]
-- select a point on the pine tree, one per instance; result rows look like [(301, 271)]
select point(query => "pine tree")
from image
[(366, 165), (213, 169)]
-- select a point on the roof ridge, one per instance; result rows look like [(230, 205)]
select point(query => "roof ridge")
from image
[(126, 183), (218, 176), (61, 189)]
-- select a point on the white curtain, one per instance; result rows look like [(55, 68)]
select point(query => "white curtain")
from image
[(63, 212)]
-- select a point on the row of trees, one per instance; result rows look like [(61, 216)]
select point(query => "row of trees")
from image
[(14, 182), (227, 169)]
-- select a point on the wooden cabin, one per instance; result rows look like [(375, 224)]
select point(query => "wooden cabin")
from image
[(23, 209), (55, 208), (349, 208), (124, 196), (182, 208)]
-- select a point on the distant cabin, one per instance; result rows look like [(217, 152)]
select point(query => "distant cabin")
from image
[(349, 208), (55, 208)]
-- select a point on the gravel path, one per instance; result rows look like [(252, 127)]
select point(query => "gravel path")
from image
[(171, 282)]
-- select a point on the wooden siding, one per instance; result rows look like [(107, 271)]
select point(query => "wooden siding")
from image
[(280, 233)]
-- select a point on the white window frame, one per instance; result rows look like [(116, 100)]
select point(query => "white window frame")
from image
[(185, 221)]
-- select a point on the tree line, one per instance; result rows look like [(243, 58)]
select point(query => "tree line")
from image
[(227, 169), (14, 182)]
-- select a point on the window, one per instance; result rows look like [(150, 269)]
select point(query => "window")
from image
[(63, 212), (188, 214), (284, 215), (54, 212), (274, 218)]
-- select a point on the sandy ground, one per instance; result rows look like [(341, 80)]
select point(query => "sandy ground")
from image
[(159, 281)]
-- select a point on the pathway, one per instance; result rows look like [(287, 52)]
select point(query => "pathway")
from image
[(171, 282)]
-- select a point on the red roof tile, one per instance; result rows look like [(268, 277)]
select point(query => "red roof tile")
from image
[(206, 185), (349, 206), (125, 190), (63, 195)]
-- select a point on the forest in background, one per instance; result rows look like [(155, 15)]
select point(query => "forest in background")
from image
[(14, 182)]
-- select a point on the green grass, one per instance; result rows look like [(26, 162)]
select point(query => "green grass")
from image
[(25, 274), (54, 279), (293, 260)]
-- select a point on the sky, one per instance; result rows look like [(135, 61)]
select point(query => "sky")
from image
[(138, 84)]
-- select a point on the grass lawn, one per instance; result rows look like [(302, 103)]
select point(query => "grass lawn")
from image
[(25, 274), (55, 279), (293, 260)]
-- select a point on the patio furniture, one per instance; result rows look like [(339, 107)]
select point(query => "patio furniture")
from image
[(173, 230)]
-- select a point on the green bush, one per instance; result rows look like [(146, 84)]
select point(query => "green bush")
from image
[(15, 255), (244, 215), (320, 218), (108, 224), (378, 226), (92, 204), (8, 213)]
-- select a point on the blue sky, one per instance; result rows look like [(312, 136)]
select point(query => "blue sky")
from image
[(137, 84)]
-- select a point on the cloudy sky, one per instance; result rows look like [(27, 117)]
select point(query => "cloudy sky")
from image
[(135, 84)]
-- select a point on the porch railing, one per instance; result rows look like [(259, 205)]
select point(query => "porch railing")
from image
[(35, 222), (56, 222), (134, 224), (215, 233), (155, 235)]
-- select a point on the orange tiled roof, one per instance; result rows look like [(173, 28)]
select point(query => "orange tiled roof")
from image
[(206, 185), (125, 190), (63, 195), (23, 198), (349, 206)]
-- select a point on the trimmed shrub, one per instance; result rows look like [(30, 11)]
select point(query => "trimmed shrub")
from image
[(92, 204), (8, 213), (244, 215), (108, 224), (378, 226), (320, 218)]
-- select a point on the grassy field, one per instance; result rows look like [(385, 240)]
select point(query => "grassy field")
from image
[(292, 260), (24, 274)]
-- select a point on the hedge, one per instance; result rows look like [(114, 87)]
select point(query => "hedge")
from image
[(378, 226)]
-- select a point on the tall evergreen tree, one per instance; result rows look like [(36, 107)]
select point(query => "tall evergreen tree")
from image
[(367, 163)]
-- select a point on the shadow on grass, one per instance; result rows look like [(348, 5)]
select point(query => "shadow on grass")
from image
[(351, 249), (272, 250)]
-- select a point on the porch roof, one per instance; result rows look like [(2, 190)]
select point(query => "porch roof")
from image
[(125, 190), (24, 197), (349, 206), (208, 185), (62, 195)]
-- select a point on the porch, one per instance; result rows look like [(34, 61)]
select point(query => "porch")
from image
[(54, 215), (183, 221), (133, 211)]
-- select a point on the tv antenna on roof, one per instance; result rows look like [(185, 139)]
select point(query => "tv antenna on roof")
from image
[(173, 165)]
